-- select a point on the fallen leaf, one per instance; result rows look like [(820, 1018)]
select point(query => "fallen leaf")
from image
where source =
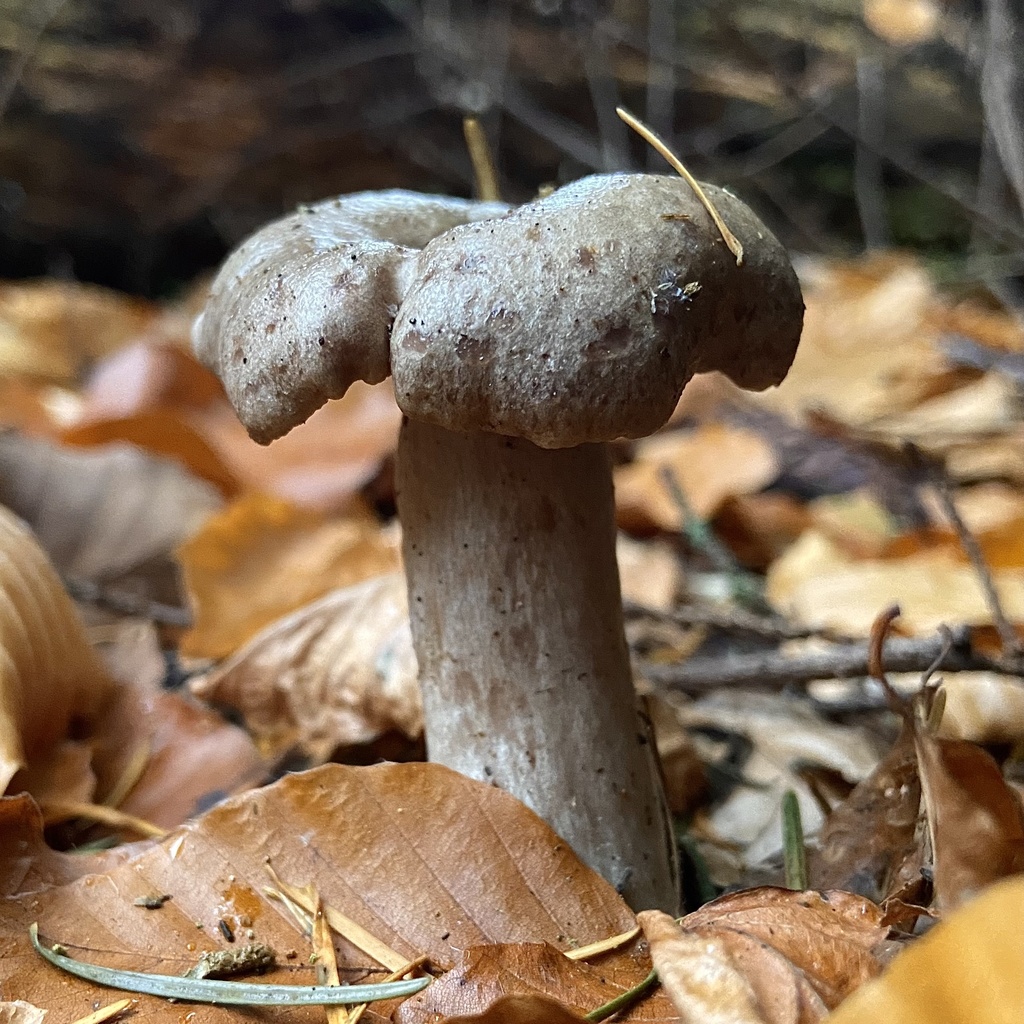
[(161, 432), (427, 860), (49, 329), (144, 376), (262, 558), (967, 970), (341, 671), (49, 675), (983, 707), (323, 462), (483, 975), (778, 737), (714, 462), (975, 820), (19, 1012), (758, 528), (819, 584), (980, 410), (766, 955), (520, 1010), (868, 838), (650, 572), (28, 865), (101, 514), (903, 22), (866, 329)]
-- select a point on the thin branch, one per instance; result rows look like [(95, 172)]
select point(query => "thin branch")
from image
[(731, 620), (869, 182), (775, 671), (746, 587), (939, 481)]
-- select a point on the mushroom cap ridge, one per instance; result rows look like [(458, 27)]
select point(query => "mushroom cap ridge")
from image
[(303, 308), (580, 317)]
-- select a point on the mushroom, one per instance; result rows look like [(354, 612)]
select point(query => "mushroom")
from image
[(520, 343)]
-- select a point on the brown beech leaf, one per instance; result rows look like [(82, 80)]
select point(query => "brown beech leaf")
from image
[(866, 332), (967, 970), (101, 513), (145, 376), (820, 584), (869, 836), (161, 432), (49, 674), (483, 975), (27, 864), (428, 861), (766, 955), (338, 672), (262, 558), (520, 1010), (191, 756), (975, 820)]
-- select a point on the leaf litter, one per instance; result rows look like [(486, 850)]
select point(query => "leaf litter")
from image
[(805, 484)]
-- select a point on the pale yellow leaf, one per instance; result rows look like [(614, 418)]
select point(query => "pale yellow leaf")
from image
[(969, 969), (983, 707), (48, 672), (819, 584), (339, 671), (698, 974), (19, 1012)]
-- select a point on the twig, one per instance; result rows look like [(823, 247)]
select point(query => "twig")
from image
[(746, 587), (732, 620), (939, 480), (126, 604), (868, 179), (63, 810), (775, 671)]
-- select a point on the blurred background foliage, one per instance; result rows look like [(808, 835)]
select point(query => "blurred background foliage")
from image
[(140, 139)]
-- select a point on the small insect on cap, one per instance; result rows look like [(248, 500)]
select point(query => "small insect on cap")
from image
[(303, 308), (581, 317)]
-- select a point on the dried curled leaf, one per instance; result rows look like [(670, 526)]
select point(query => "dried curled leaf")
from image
[(48, 672), (19, 1012), (766, 956), (340, 671)]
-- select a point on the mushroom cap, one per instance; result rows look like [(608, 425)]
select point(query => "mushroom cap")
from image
[(304, 307), (580, 317)]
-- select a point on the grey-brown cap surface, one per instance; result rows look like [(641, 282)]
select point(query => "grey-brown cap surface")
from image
[(581, 317), (304, 307)]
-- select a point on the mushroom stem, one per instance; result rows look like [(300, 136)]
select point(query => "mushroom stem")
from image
[(517, 624)]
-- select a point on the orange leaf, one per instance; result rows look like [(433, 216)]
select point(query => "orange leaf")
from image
[(428, 861), (262, 558), (162, 432)]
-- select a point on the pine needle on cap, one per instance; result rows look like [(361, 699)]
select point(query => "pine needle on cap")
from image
[(734, 244)]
